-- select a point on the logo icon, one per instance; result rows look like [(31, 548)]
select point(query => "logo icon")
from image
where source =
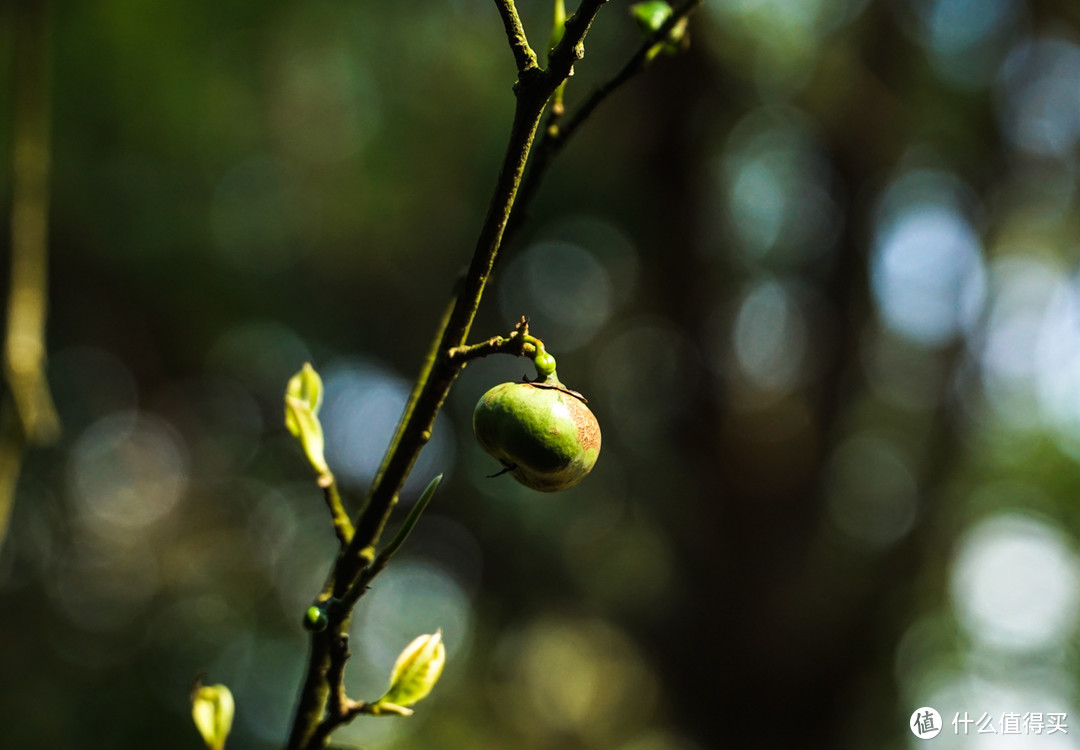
[(925, 723)]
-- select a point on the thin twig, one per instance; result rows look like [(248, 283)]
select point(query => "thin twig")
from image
[(518, 344), (556, 135), (343, 527), (571, 47), (633, 66), (515, 33)]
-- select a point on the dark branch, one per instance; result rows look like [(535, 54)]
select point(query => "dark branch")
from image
[(571, 47), (515, 33)]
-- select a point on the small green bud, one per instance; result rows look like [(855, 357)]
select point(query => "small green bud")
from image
[(307, 386), (212, 708), (545, 364), (415, 673), (544, 434), (316, 619), (303, 398)]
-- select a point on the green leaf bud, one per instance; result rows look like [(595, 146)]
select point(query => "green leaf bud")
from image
[(212, 708), (303, 398), (415, 673), (307, 386)]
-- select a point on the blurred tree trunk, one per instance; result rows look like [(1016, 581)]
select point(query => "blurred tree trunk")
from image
[(27, 415), (785, 637)]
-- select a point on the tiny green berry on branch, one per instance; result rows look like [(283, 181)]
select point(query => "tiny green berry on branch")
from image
[(316, 619)]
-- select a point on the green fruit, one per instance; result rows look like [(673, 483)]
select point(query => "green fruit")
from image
[(544, 435)]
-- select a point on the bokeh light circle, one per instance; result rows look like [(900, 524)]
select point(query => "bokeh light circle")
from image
[(127, 470), (1015, 583)]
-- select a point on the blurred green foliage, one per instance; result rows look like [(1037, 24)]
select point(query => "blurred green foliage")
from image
[(816, 274)]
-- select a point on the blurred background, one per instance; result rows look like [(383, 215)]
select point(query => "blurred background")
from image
[(817, 276)]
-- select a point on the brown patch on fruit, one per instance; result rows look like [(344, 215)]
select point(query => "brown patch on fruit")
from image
[(588, 430)]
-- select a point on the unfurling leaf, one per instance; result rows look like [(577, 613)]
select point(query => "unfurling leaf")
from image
[(303, 397), (307, 386), (415, 673), (212, 708), (308, 430)]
